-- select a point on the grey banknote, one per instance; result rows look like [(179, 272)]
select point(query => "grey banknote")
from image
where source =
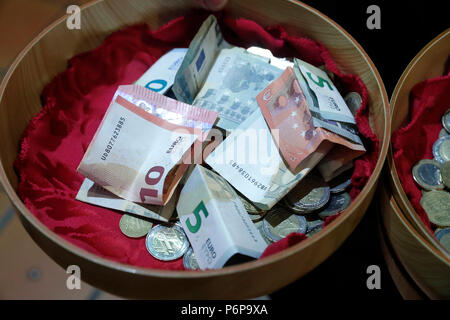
[(221, 78)]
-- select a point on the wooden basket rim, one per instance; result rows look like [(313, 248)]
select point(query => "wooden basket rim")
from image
[(398, 192), (110, 264)]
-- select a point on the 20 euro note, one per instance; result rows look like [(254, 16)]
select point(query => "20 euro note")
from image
[(284, 107), (92, 193), (250, 161), (216, 76), (215, 220), (140, 149)]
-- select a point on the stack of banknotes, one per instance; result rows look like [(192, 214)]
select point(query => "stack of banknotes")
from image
[(218, 151)]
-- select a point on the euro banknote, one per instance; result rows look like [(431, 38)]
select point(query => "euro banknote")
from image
[(284, 107), (139, 150), (92, 193), (198, 60), (216, 76), (326, 105), (250, 161), (215, 220), (232, 85)]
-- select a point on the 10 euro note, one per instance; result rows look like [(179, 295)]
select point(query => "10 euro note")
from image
[(143, 144), (94, 194), (215, 220), (284, 107)]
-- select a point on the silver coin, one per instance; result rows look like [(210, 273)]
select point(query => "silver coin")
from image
[(443, 133), (441, 149), (313, 227), (338, 202), (263, 235), (189, 261), (167, 243), (443, 236), (257, 216), (279, 223), (313, 201), (427, 174), (258, 223), (353, 101), (250, 207), (341, 187), (446, 120)]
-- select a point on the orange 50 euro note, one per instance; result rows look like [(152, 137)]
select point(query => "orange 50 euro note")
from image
[(284, 107), (143, 144)]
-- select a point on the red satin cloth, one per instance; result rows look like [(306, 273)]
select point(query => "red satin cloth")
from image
[(414, 142), (74, 103)]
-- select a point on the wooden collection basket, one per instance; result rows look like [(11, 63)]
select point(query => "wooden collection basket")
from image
[(47, 55), (427, 262)]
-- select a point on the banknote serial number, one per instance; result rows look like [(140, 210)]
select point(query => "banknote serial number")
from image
[(247, 176), (113, 139)]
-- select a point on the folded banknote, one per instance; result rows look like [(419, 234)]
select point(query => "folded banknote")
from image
[(140, 149), (92, 193), (215, 220), (219, 77), (284, 107)]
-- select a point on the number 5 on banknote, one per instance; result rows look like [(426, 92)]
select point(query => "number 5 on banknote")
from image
[(198, 219)]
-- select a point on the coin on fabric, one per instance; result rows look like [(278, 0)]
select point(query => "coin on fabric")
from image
[(313, 227), (445, 173), (427, 173), (189, 261), (446, 120), (279, 222), (443, 133), (134, 227), (436, 204), (338, 202), (441, 149), (353, 101), (443, 237), (167, 243)]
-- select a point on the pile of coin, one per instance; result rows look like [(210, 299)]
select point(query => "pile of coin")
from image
[(164, 242), (303, 209), (433, 176)]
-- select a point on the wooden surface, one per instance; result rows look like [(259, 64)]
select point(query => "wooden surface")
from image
[(26, 272), (429, 63), (406, 286), (423, 262), (42, 60)]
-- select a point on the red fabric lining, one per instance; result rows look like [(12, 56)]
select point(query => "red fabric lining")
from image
[(76, 99), (429, 100)]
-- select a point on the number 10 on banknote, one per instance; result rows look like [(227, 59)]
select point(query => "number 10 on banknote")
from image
[(139, 150)]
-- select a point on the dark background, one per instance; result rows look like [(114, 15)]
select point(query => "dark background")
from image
[(406, 27)]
